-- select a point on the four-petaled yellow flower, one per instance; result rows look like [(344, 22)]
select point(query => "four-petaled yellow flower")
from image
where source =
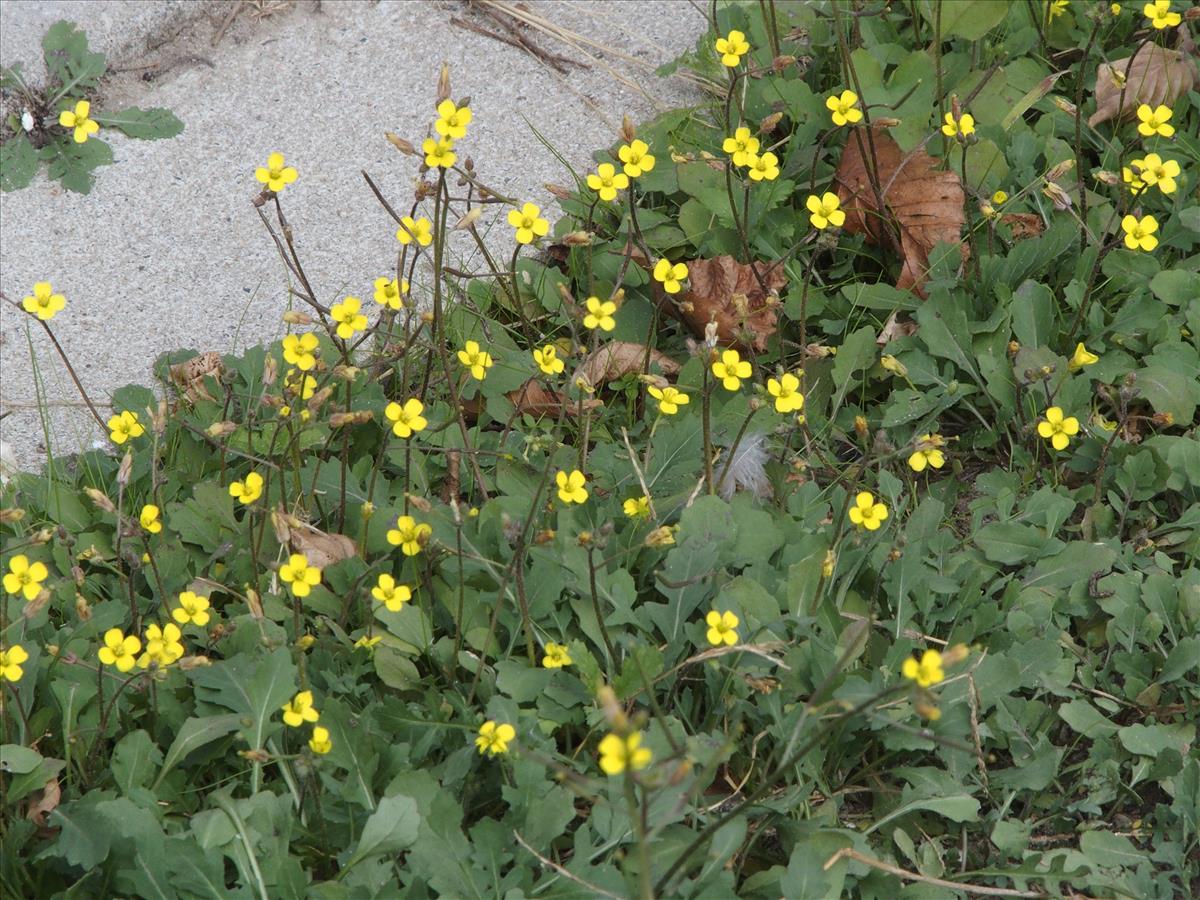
[(149, 518), (571, 486), (124, 426), (367, 642), (547, 358), (763, 168), (722, 628), (844, 109), (927, 672), (1081, 357), (1160, 15), (556, 656), (866, 512), (163, 646), (636, 158), (1154, 121), (826, 210), (24, 577), (1000, 197), (1155, 171), (420, 230), (43, 302), (1136, 185), (275, 175), (528, 222), (192, 609), (390, 594), (119, 650), (731, 369), (786, 391), (742, 147), (1139, 233), (606, 181), (928, 453), (669, 399), (670, 276), (85, 127), (493, 738), (409, 535), (407, 419), (732, 48), (620, 753), (1058, 7), (390, 293), (303, 386), (299, 710), (963, 126), (247, 491), (477, 361), (439, 154), (1058, 429), (348, 315), (452, 120), (299, 575), (299, 350), (637, 507), (10, 662), (320, 743), (600, 314)]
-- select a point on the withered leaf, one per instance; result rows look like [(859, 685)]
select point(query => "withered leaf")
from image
[(1023, 225), (923, 205), (42, 806), (321, 549), (725, 291), (616, 359), (1154, 75), (535, 399), (189, 375)]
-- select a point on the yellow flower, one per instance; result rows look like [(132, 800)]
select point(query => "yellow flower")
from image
[(556, 656), (663, 536), (928, 453), (763, 168), (732, 48), (828, 563), (24, 577), (163, 646), (10, 662), (1000, 197), (606, 181), (1136, 185), (246, 492), (320, 743), (547, 358), (390, 594), (299, 575), (731, 369), (1082, 358), (409, 535), (1154, 121), (786, 392), (571, 486), (866, 512), (742, 147), (43, 302), (636, 158), (1058, 7), (439, 154), (1115, 9), (669, 399), (452, 120), (620, 753), (927, 672), (85, 127), (826, 210), (299, 710), (192, 609), (407, 419), (893, 365), (390, 293), (367, 642), (844, 109), (411, 229), (123, 426), (148, 518), (1057, 429), (1139, 233), (119, 650), (600, 314), (493, 738), (670, 276), (528, 223), (722, 628), (348, 315), (276, 175), (637, 507), (964, 126), (1155, 171), (299, 350), (1159, 13), (475, 360), (303, 386)]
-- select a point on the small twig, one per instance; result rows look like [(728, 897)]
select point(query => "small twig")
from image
[(851, 853), (565, 873)]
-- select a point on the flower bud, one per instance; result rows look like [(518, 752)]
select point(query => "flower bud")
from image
[(663, 536), (828, 563), (607, 700), (628, 132), (1106, 177), (82, 608), (767, 125), (542, 538), (468, 221), (860, 426), (578, 239), (305, 641), (1065, 105), (443, 83), (11, 515), (221, 429), (886, 122), (126, 467), (557, 191), (100, 500), (367, 509), (400, 144)]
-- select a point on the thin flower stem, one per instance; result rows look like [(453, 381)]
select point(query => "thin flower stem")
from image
[(612, 655)]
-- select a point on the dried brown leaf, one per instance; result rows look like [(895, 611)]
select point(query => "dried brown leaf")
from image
[(535, 399), (45, 804), (898, 325), (321, 549), (616, 359), (1023, 225), (727, 292), (189, 375), (1154, 75)]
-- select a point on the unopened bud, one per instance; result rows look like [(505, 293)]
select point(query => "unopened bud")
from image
[(319, 398), (927, 710), (468, 221), (860, 426), (1106, 177), (828, 563), (628, 132), (367, 509), (1014, 347), (11, 514), (254, 603), (1065, 105), (400, 144), (295, 317), (126, 467), (188, 663), (305, 641), (767, 125), (886, 122), (1060, 169), (956, 654), (83, 609), (607, 700), (221, 429), (543, 537), (557, 191), (100, 500), (443, 84), (578, 239)]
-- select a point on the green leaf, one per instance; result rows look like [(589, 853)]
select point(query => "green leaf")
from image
[(83, 838), (145, 124), (18, 760), (391, 828), (1086, 719), (1010, 543), (855, 354), (1170, 391), (73, 164), (134, 760), (1175, 286), (1110, 850), (193, 734), (970, 19), (69, 61), (257, 689), (1033, 314), (18, 163), (959, 808), (1151, 740), (1181, 660)]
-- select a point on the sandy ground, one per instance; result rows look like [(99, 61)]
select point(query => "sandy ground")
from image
[(166, 251)]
